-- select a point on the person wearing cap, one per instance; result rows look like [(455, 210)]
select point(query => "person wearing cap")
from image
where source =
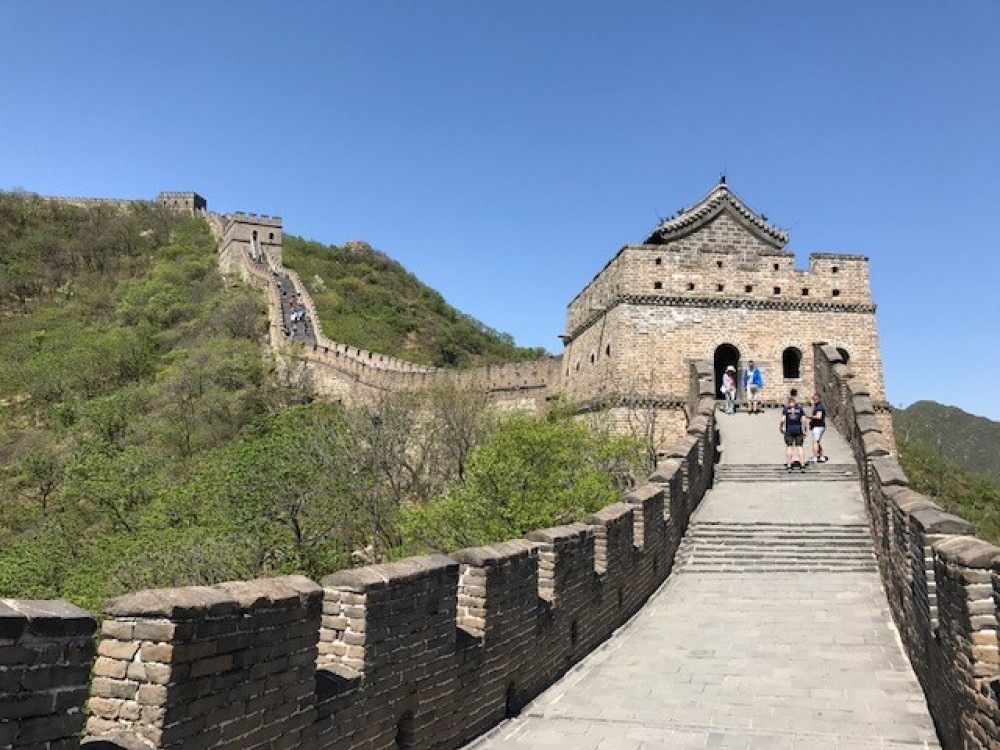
[(753, 381), (729, 388)]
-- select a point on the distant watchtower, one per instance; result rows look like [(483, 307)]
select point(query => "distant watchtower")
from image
[(258, 236), (715, 282), (188, 203)]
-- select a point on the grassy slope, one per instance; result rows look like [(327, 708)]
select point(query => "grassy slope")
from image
[(967, 440), (954, 458), (366, 299)]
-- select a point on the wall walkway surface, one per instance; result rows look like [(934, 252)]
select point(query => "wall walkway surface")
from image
[(773, 631)]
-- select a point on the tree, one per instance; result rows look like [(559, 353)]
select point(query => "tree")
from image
[(531, 474)]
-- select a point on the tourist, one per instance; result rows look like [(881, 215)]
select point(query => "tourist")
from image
[(729, 388), (753, 382), (817, 426), (793, 425)]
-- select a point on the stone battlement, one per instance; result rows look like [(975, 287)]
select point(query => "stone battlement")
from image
[(181, 202), (250, 218)]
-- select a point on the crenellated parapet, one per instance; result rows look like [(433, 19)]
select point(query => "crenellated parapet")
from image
[(186, 203), (941, 581)]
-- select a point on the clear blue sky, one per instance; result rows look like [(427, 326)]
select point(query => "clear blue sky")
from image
[(503, 152)]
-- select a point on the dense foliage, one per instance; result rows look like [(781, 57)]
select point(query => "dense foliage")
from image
[(368, 300), (144, 443), (531, 475), (967, 440), (973, 497)]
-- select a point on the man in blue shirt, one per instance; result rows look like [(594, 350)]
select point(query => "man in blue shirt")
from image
[(753, 381)]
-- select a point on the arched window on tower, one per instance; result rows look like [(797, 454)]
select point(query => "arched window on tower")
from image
[(791, 363)]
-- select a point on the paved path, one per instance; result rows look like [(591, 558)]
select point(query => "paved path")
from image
[(301, 330), (769, 634)]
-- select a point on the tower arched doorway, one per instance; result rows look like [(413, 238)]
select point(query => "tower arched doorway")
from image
[(725, 355)]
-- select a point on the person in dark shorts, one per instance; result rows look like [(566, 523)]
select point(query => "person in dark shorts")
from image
[(793, 426), (817, 426)]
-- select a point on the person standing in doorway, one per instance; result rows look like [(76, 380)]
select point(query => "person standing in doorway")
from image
[(753, 382), (817, 426), (729, 388), (793, 425)]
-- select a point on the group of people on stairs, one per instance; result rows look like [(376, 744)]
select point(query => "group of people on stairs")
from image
[(795, 423)]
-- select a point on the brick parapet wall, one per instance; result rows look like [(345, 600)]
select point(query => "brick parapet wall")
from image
[(46, 649), (231, 665), (940, 580), (722, 254), (968, 637)]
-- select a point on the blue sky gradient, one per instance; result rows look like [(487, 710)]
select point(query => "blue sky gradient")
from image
[(504, 152)]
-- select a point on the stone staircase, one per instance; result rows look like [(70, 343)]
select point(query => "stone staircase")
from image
[(773, 473), (734, 547)]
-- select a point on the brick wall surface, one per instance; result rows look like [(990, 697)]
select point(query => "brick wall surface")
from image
[(46, 649)]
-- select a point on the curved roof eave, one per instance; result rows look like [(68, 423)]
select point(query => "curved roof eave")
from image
[(720, 199)]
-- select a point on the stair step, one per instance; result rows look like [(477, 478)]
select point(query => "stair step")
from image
[(773, 547), (826, 472)]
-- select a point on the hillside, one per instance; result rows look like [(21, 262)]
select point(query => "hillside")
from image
[(967, 440), (146, 441), (973, 497), (954, 458), (366, 299)]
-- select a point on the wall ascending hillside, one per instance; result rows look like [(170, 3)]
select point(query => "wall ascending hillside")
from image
[(350, 374)]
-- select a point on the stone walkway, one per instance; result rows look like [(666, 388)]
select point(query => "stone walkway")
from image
[(769, 634), (302, 331)]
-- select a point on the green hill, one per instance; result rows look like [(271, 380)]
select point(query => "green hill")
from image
[(964, 439), (954, 458), (145, 440), (973, 497), (368, 300)]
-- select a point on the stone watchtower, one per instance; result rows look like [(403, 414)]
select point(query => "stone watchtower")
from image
[(256, 235), (715, 282), (185, 202)]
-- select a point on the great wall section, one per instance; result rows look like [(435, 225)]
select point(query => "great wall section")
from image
[(434, 651)]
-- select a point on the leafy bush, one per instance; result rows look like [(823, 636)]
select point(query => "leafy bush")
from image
[(530, 474)]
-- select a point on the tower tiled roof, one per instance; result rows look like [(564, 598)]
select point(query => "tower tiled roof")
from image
[(720, 199)]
